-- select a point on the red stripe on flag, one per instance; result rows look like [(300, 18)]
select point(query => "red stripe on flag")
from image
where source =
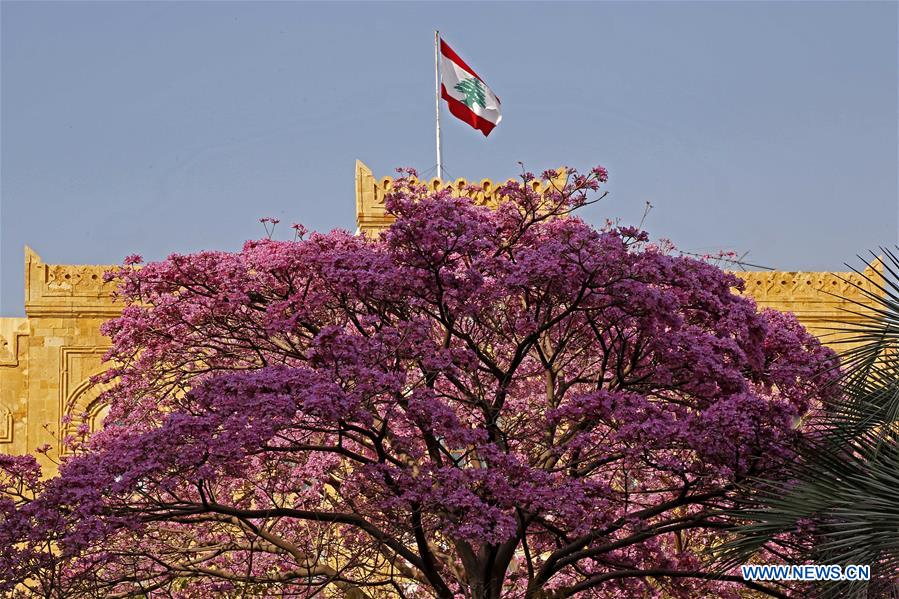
[(451, 54), (464, 113)]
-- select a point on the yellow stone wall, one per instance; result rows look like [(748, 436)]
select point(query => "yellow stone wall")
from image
[(48, 357)]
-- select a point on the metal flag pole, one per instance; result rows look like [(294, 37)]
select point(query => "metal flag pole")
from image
[(437, 99)]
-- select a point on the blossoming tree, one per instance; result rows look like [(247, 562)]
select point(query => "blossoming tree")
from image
[(482, 403)]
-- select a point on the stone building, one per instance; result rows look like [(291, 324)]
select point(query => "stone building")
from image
[(48, 357)]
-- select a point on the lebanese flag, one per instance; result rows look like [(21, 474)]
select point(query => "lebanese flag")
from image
[(466, 94)]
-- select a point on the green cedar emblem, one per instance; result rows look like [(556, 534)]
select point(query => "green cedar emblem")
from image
[(474, 92)]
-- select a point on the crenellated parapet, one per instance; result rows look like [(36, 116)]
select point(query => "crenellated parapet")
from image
[(66, 288), (814, 287), (372, 216), (821, 300)]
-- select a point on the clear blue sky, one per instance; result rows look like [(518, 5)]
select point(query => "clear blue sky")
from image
[(158, 127)]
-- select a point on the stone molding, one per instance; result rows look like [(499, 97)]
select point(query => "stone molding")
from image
[(53, 289), (78, 396), (11, 329), (6, 425)]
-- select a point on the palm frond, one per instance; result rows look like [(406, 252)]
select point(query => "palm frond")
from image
[(845, 482)]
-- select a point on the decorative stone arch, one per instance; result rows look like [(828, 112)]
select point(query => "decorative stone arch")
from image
[(83, 406)]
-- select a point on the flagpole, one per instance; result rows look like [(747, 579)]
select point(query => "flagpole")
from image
[(437, 99)]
